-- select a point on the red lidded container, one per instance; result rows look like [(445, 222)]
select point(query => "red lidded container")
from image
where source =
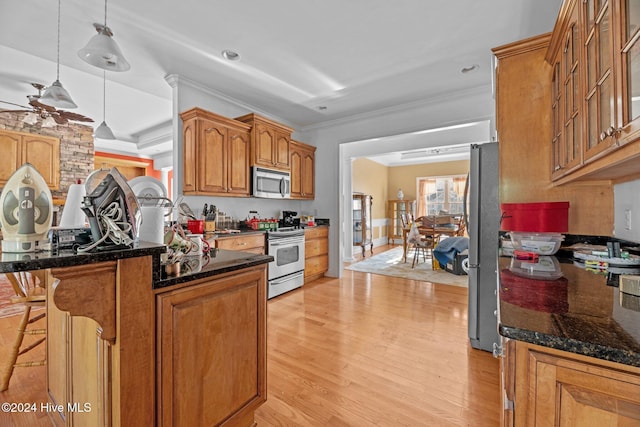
[(544, 217)]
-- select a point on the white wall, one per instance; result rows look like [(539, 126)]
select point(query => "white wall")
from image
[(626, 202)]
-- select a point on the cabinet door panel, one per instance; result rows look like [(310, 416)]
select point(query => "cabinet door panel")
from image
[(264, 147), (239, 178), (308, 175), (212, 171), (281, 154), (9, 161), (44, 154), (189, 132), (296, 173), (221, 366)]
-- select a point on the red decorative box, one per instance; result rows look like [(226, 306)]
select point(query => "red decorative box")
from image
[(544, 217)]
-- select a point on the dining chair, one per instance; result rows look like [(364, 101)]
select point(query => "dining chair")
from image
[(30, 292)]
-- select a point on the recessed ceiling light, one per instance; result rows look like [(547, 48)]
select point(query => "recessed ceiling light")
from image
[(469, 69), (230, 55)]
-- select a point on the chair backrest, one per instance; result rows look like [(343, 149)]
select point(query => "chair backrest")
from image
[(27, 285)]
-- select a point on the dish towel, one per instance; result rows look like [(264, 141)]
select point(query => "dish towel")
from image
[(447, 249)]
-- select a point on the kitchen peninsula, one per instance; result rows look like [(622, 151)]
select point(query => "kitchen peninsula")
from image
[(137, 348)]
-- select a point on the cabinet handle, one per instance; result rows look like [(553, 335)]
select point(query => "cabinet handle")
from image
[(611, 131)]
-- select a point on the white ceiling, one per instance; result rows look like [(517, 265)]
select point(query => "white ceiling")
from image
[(350, 56)]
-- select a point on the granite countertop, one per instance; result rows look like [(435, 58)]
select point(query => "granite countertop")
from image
[(581, 312), (217, 262), (13, 262)]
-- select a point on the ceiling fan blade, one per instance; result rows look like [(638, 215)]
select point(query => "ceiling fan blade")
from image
[(59, 119), (17, 105), (41, 106), (16, 111), (74, 116)]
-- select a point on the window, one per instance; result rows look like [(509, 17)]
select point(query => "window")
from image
[(441, 193)]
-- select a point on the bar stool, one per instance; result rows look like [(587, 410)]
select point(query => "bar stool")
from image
[(29, 291)]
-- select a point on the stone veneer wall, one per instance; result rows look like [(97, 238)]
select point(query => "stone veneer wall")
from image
[(76, 148)]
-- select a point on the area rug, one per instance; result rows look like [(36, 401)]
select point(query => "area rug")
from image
[(390, 263)]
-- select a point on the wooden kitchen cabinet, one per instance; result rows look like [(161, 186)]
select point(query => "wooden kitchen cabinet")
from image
[(216, 154), (212, 348), (43, 152), (547, 387), (270, 142), (608, 87), (566, 107), (253, 243), (302, 161), (525, 129), (316, 253)]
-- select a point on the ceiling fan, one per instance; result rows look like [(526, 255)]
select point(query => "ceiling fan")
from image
[(61, 117)]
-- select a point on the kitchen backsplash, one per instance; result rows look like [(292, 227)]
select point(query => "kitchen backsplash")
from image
[(626, 221), (239, 207)]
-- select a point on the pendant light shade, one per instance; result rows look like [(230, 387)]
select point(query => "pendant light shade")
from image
[(103, 131), (102, 51), (56, 95)]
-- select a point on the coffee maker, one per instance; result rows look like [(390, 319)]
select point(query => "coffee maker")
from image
[(289, 220)]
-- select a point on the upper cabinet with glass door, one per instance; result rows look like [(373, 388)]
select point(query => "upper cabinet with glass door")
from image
[(599, 88), (629, 60), (599, 136)]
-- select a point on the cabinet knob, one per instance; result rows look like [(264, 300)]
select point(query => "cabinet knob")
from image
[(611, 131)]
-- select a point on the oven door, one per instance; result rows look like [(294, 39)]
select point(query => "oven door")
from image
[(288, 254)]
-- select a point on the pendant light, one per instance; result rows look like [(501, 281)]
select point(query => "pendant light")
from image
[(102, 51), (56, 95), (103, 131)]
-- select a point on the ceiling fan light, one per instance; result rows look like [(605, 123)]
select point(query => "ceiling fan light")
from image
[(57, 96), (30, 118), (103, 132), (102, 51), (49, 122)]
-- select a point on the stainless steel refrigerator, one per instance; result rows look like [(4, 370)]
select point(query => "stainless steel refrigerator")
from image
[(483, 222)]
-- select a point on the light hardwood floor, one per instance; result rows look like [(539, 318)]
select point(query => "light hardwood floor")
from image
[(357, 351)]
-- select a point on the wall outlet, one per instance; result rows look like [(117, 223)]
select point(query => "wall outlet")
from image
[(627, 219)]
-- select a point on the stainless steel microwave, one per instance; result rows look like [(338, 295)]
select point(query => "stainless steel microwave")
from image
[(270, 183)]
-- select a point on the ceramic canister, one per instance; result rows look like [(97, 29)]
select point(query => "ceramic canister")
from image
[(197, 241)]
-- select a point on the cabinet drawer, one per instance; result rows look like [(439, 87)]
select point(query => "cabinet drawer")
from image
[(313, 233), (241, 243), (316, 247), (316, 265)]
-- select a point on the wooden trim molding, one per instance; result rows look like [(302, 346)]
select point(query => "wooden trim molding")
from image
[(522, 46)]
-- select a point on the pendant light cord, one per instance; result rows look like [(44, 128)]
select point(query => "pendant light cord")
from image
[(104, 96), (105, 13), (58, 59)]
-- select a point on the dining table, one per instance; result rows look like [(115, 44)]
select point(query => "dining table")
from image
[(429, 231)]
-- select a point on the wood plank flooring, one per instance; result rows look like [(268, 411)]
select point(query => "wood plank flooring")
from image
[(362, 350)]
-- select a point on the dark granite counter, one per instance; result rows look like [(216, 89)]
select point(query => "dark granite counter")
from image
[(218, 262), (12, 262), (581, 312)]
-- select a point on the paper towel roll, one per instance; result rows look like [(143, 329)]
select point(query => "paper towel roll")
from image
[(72, 214), (152, 227)]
